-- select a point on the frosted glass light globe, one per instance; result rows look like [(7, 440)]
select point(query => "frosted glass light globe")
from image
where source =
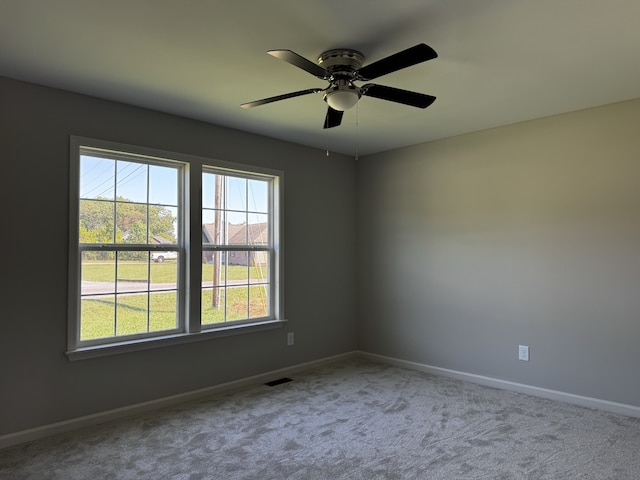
[(342, 100)]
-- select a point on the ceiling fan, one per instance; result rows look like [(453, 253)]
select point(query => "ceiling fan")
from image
[(342, 67)]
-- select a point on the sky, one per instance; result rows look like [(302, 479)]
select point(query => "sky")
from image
[(244, 200), (97, 179)]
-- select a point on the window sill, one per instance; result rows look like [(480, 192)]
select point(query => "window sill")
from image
[(157, 342)]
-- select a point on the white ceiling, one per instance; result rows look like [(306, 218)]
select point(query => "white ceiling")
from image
[(500, 61)]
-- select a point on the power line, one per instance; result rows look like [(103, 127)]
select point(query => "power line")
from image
[(99, 177)]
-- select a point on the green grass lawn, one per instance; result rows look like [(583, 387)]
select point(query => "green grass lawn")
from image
[(155, 312), (240, 303), (139, 313)]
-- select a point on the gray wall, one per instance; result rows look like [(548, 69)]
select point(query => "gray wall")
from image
[(526, 234), (38, 384)]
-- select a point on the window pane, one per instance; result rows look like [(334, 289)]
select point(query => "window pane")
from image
[(213, 305), (132, 313), (98, 273), (163, 311), (132, 299), (131, 221), (96, 221), (259, 301), (97, 317), (258, 191), (163, 185), (164, 274), (212, 225), (238, 265), (237, 303), (212, 186), (163, 224), (259, 269), (97, 177), (163, 306), (236, 228), (213, 272), (236, 194), (133, 272), (97, 304), (237, 268), (97, 288), (131, 182), (258, 230)]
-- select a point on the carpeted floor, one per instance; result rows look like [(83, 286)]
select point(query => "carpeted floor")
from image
[(349, 420)]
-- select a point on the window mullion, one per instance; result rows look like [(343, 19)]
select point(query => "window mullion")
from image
[(193, 228)]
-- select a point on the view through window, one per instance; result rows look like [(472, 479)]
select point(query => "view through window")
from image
[(237, 247), (127, 208), (133, 275)]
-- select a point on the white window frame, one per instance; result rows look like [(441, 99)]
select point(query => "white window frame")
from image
[(190, 251), (273, 239)]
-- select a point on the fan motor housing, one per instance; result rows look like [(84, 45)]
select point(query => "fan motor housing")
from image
[(341, 61)]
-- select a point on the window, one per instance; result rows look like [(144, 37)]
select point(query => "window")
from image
[(135, 281), (237, 245)]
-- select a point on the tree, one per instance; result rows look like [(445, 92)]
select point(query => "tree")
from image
[(122, 221)]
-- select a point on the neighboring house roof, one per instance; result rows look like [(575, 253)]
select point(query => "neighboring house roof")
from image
[(258, 233), (159, 239)]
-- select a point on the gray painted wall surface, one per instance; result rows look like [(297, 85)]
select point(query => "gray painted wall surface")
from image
[(526, 234), (38, 384)]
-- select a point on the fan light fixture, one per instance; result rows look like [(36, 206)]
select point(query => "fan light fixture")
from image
[(342, 99)]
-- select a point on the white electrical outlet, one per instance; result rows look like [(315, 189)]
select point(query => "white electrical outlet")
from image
[(290, 338), (523, 353)]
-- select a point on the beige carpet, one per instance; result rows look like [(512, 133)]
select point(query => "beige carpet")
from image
[(349, 420)]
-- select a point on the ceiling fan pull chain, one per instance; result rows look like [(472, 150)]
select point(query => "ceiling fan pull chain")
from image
[(326, 139), (357, 131)]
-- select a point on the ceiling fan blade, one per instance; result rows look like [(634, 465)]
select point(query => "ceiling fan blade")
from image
[(294, 59), (411, 56), (397, 95), (280, 97), (333, 118)]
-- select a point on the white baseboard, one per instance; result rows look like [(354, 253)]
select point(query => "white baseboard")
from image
[(36, 433), (589, 402)]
